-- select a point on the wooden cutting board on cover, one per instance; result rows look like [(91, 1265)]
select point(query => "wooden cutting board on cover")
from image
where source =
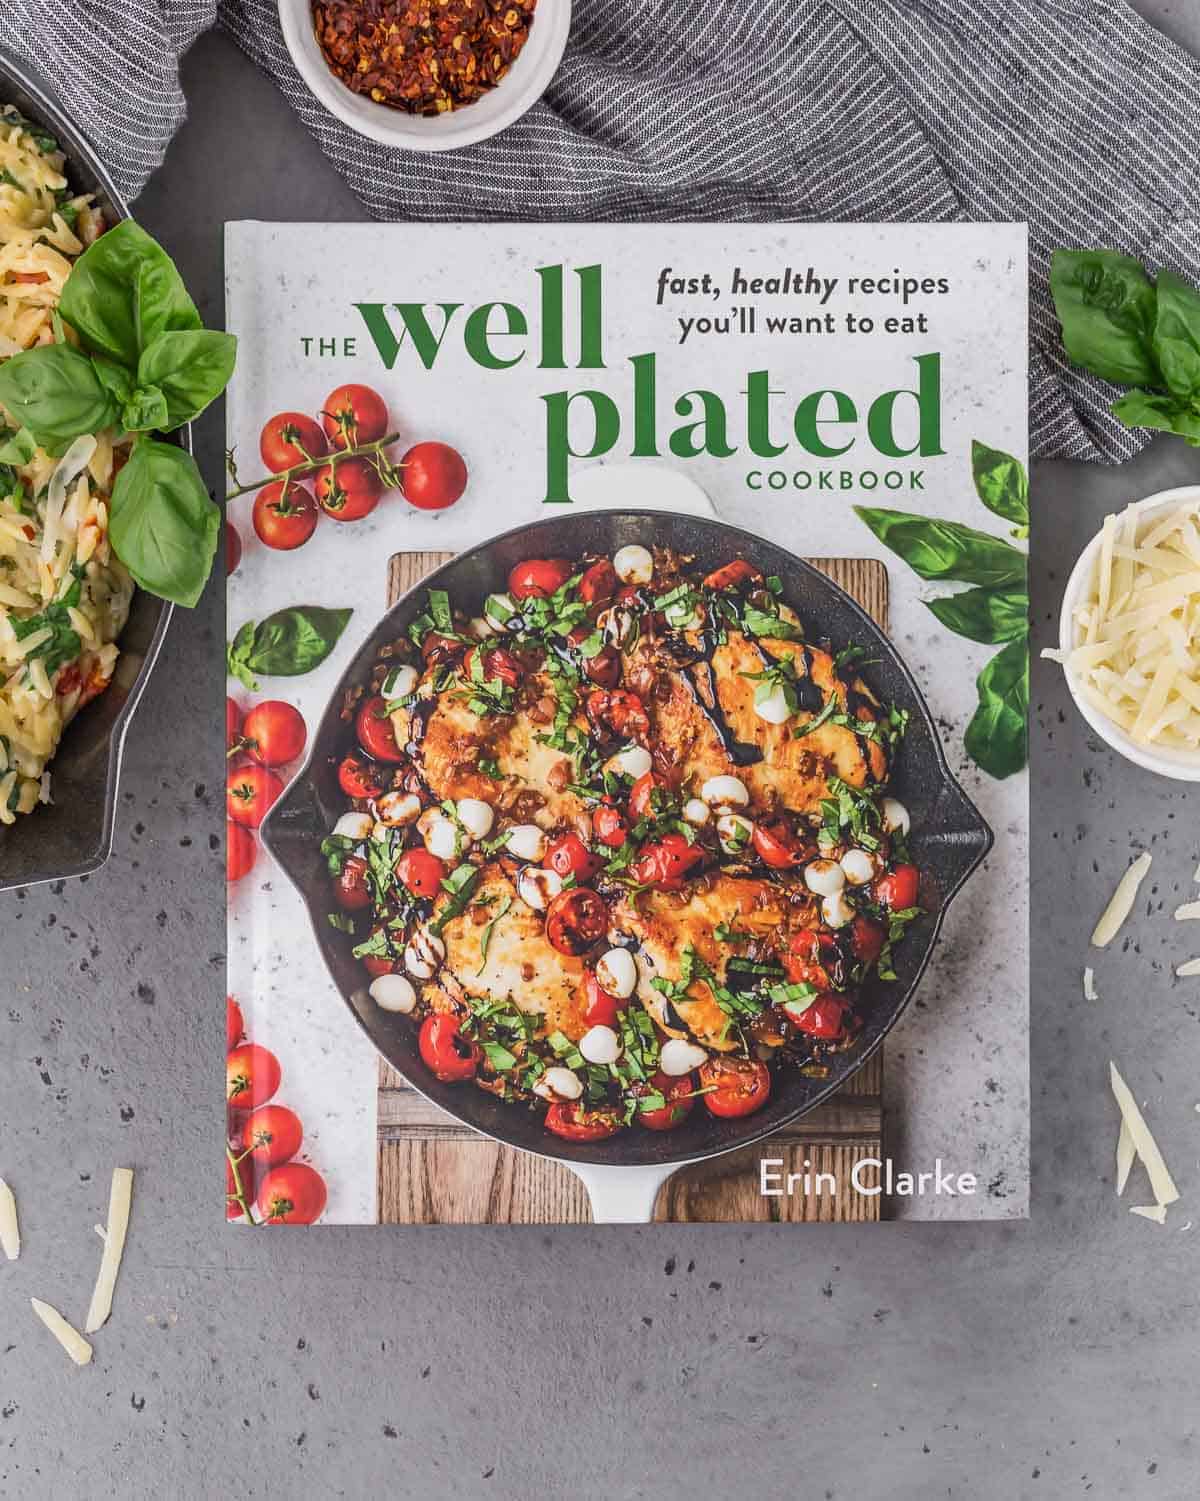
[(433, 1170)]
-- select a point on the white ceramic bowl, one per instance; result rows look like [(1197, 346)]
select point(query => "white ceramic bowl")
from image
[(522, 87), (1183, 766)]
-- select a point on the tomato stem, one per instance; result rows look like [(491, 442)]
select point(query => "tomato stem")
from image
[(239, 1193), (366, 450)]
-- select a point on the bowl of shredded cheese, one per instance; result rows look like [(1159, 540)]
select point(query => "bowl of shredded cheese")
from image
[(1129, 633)]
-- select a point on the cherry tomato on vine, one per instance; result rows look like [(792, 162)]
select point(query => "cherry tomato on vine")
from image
[(233, 547), (233, 725), (235, 1026), (348, 489), (354, 415), (569, 856), (680, 1096), (574, 1122), (284, 515), (351, 889), (272, 1134), (432, 476), (375, 731), (898, 889), (575, 920), (358, 778), (538, 578), (609, 826), (252, 1075), (446, 1053), (250, 792), (274, 733), (244, 1179), (293, 1194), (421, 872), (739, 1087), (241, 851), (288, 439)]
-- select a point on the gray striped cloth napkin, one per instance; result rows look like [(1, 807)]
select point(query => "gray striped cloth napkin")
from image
[(1074, 115)]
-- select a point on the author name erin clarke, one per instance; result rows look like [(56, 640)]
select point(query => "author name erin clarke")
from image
[(870, 1176)]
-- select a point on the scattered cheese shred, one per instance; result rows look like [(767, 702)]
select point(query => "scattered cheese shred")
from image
[(1089, 985), (1188, 912), (1126, 1155), (1146, 1147), (1155, 1212), (70, 1339), (1192, 967), (10, 1229), (1131, 657), (120, 1199), (1122, 902)]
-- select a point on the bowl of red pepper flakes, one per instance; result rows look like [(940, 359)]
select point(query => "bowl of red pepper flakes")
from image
[(426, 75)]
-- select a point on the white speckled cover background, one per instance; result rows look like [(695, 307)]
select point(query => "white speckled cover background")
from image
[(957, 1064)]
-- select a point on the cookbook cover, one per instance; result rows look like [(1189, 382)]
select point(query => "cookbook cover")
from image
[(628, 680)]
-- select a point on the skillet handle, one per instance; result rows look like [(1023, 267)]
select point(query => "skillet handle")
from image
[(622, 1195)]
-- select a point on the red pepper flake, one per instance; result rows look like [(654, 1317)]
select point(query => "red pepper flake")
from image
[(425, 57)]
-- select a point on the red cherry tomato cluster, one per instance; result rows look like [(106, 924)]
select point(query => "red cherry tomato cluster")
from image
[(259, 742), (264, 1183)]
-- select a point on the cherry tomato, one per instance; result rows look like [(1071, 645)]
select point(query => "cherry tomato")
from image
[(733, 575), (235, 1026), (244, 1180), (293, 1194), (348, 490), (351, 890), (250, 792), (620, 711), (272, 1134), (740, 1087), (290, 438), (777, 845), (241, 851), (233, 547), (668, 863), (358, 778), (604, 669), (274, 733), (641, 795), (421, 872), (810, 959), (432, 476), (609, 826), (380, 964), (284, 516), (538, 578), (233, 725), (436, 649), (680, 1096), (252, 1075), (375, 731), (575, 920), (824, 1017), (498, 665), (569, 856), (354, 415), (574, 1122), (898, 889), (598, 584), (866, 938), (599, 1008), (446, 1053)]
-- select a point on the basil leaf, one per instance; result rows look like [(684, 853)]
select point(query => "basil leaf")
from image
[(946, 549), (987, 615), (17, 448), (997, 738), (1168, 414), (1177, 335), (163, 523), (55, 393), (288, 643), (1106, 305), (115, 379), (123, 292), (145, 411), (1001, 483), (191, 368)]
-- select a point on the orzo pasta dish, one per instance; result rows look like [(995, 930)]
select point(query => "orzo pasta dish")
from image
[(64, 597)]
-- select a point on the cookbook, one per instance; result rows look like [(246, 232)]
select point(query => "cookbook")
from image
[(627, 723)]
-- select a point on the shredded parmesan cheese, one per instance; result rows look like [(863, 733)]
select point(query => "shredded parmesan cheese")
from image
[(1192, 967), (1126, 1155), (1187, 912), (1144, 1144), (1155, 1212), (1089, 985), (69, 1338), (10, 1230), (119, 1200), (1122, 902)]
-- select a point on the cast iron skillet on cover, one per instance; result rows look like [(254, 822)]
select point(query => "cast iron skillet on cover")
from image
[(73, 834), (949, 837)]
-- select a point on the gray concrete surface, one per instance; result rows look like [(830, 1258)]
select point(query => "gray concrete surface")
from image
[(1049, 1360)]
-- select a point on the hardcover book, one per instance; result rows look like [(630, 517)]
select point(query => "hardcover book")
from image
[(628, 654)]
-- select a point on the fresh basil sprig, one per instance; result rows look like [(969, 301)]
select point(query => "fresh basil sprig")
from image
[(288, 643), (1120, 325), (995, 610), (144, 364)]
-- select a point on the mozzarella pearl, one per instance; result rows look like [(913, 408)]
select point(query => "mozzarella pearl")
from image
[(399, 683), (633, 564), (734, 832), (895, 817), (696, 812), (774, 708), (631, 761), (393, 993), (498, 610), (424, 954), (526, 841), (441, 838), (858, 867), (679, 1057), (558, 1084), (600, 1045), (476, 816), (616, 973), (836, 910), (725, 792), (537, 888), (824, 877), (396, 809), (354, 826)]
